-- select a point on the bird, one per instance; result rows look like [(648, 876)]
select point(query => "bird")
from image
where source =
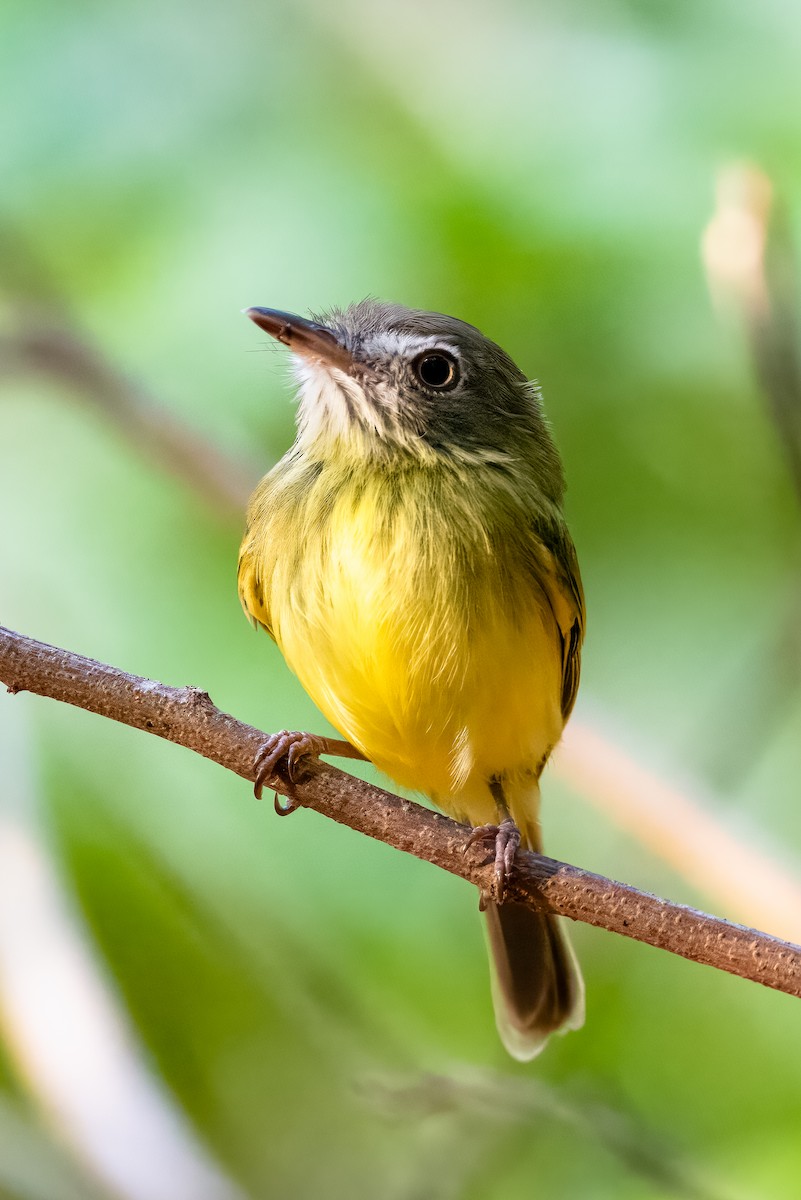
[(410, 556)]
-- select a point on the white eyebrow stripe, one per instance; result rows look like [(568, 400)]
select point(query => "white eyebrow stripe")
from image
[(392, 342)]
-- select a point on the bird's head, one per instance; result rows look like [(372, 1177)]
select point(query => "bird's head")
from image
[(382, 380)]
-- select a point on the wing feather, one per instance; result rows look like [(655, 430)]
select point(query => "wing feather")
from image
[(561, 582), (257, 557)]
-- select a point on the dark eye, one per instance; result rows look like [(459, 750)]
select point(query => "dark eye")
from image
[(436, 369)]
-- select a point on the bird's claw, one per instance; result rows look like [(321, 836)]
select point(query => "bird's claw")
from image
[(506, 839), (284, 809), (293, 748)]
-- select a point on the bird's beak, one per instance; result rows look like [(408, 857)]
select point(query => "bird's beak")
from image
[(306, 338)]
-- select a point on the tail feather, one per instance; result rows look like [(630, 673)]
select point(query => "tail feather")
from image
[(536, 982)]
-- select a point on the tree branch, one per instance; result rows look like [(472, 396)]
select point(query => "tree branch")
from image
[(188, 717), (45, 338)]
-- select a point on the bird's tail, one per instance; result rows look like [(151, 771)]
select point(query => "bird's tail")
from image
[(537, 987)]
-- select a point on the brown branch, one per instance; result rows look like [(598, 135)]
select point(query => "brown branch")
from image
[(188, 717), (46, 338), (681, 826)]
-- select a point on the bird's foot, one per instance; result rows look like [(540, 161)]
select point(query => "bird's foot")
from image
[(506, 838), (292, 748)]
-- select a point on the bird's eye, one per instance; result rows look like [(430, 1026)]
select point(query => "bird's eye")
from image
[(436, 369)]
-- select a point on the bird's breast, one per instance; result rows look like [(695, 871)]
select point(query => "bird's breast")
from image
[(408, 608)]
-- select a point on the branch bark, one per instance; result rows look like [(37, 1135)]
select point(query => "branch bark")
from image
[(188, 717), (46, 338)]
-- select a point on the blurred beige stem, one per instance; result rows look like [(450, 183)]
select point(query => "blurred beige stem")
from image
[(64, 1028), (748, 253), (188, 717), (681, 831)]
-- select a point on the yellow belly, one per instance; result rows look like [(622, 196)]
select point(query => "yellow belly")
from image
[(438, 662)]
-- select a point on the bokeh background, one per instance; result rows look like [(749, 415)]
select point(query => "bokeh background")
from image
[(200, 1001)]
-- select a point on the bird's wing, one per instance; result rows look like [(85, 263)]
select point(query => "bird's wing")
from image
[(251, 588), (561, 582), (257, 556)]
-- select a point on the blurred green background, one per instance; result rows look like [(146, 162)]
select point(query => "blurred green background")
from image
[(196, 999)]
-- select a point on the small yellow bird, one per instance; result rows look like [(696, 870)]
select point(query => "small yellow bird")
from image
[(410, 557)]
